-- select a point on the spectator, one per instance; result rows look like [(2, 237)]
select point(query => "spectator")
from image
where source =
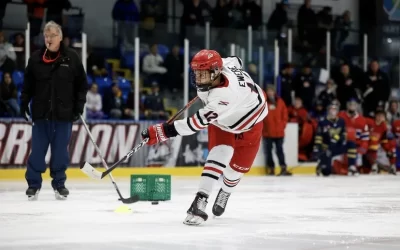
[(342, 30), (8, 92), (347, 85), (35, 10), (235, 14), (174, 66), (325, 23), (126, 14), (194, 12), (7, 55), (153, 65), (220, 14), (278, 19), (95, 63), (319, 111), (327, 96), (67, 42), (376, 90), (94, 103), (306, 23), (154, 105), (19, 48), (393, 112), (113, 102), (153, 11), (252, 14), (3, 5), (297, 113), (304, 86), (287, 90), (274, 131), (55, 10)]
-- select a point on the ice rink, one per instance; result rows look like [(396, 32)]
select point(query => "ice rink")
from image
[(296, 212)]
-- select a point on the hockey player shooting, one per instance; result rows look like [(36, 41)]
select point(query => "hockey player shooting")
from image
[(234, 108)]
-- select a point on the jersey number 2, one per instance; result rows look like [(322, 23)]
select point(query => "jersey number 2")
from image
[(211, 116)]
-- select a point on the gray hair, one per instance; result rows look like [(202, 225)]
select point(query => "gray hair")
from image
[(53, 24)]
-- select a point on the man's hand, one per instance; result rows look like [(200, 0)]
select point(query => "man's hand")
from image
[(155, 134)]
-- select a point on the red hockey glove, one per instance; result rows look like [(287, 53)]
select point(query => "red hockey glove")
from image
[(155, 134)]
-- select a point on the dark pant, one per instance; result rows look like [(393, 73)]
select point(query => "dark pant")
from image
[(57, 135), (268, 147)]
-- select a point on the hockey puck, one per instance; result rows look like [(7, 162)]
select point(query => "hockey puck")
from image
[(154, 203)]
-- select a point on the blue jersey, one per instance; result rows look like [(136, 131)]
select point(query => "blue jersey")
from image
[(330, 133)]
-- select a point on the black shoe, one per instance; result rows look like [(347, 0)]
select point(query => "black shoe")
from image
[(220, 202), (271, 171), (196, 214), (284, 172), (61, 193), (32, 193)]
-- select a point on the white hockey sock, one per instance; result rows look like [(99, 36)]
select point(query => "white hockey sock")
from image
[(230, 179), (217, 162)]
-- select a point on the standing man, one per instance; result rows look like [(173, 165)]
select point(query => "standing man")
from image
[(55, 82), (274, 131)]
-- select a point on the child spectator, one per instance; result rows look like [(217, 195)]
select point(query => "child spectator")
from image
[(94, 103)]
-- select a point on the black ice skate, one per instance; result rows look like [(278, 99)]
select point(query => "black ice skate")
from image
[(353, 171), (196, 213), (220, 202), (61, 193), (32, 193), (284, 172), (393, 170)]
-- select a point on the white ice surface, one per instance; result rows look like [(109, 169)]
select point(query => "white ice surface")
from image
[(264, 213)]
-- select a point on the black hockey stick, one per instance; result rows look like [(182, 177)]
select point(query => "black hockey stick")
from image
[(95, 174), (129, 200)]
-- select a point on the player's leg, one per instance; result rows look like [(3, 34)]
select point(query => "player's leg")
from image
[(268, 147), (61, 133), (246, 149), (281, 157), (371, 156), (390, 149), (221, 147), (36, 162), (352, 157)]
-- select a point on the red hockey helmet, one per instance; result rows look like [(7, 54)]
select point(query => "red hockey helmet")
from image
[(206, 66)]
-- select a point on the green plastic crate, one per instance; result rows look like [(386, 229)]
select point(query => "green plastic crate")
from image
[(151, 187)]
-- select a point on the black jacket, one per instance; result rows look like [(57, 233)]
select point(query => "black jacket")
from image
[(57, 90)]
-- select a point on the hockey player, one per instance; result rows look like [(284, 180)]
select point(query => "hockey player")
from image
[(380, 136), (357, 132), (234, 109), (330, 140)]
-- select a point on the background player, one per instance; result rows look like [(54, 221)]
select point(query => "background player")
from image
[(330, 140), (234, 110)]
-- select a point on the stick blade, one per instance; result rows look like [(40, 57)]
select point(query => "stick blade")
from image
[(130, 200), (90, 171)]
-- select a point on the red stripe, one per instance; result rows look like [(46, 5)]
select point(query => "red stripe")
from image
[(196, 124), (252, 118), (230, 182), (213, 169)]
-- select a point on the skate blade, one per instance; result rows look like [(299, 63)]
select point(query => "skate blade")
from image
[(34, 197), (193, 220), (60, 197)]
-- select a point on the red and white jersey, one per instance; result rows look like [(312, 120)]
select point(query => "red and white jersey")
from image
[(234, 106)]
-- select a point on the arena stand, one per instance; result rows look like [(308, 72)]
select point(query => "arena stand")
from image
[(264, 57)]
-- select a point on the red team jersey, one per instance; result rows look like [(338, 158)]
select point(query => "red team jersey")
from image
[(377, 134), (357, 129)]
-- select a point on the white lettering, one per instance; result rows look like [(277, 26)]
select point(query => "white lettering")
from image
[(79, 134), (3, 130), (122, 141), (19, 135), (101, 134)]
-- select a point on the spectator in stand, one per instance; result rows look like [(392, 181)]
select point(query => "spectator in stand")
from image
[(19, 48), (324, 23), (151, 13), (94, 103), (7, 55), (393, 112), (55, 10), (154, 105), (235, 14), (252, 14), (67, 42), (220, 14), (35, 10), (319, 111), (341, 30), (304, 86), (278, 19), (95, 63), (297, 113), (287, 76), (153, 65), (113, 102), (376, 91), (126, 14), (347, 85), (306, 24), (129, 111), (3, 5), (174, 66), (274, 131), (327, 95), (193, 14), (8, 94)]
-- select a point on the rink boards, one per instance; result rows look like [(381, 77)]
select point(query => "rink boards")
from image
[(179, 156)]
